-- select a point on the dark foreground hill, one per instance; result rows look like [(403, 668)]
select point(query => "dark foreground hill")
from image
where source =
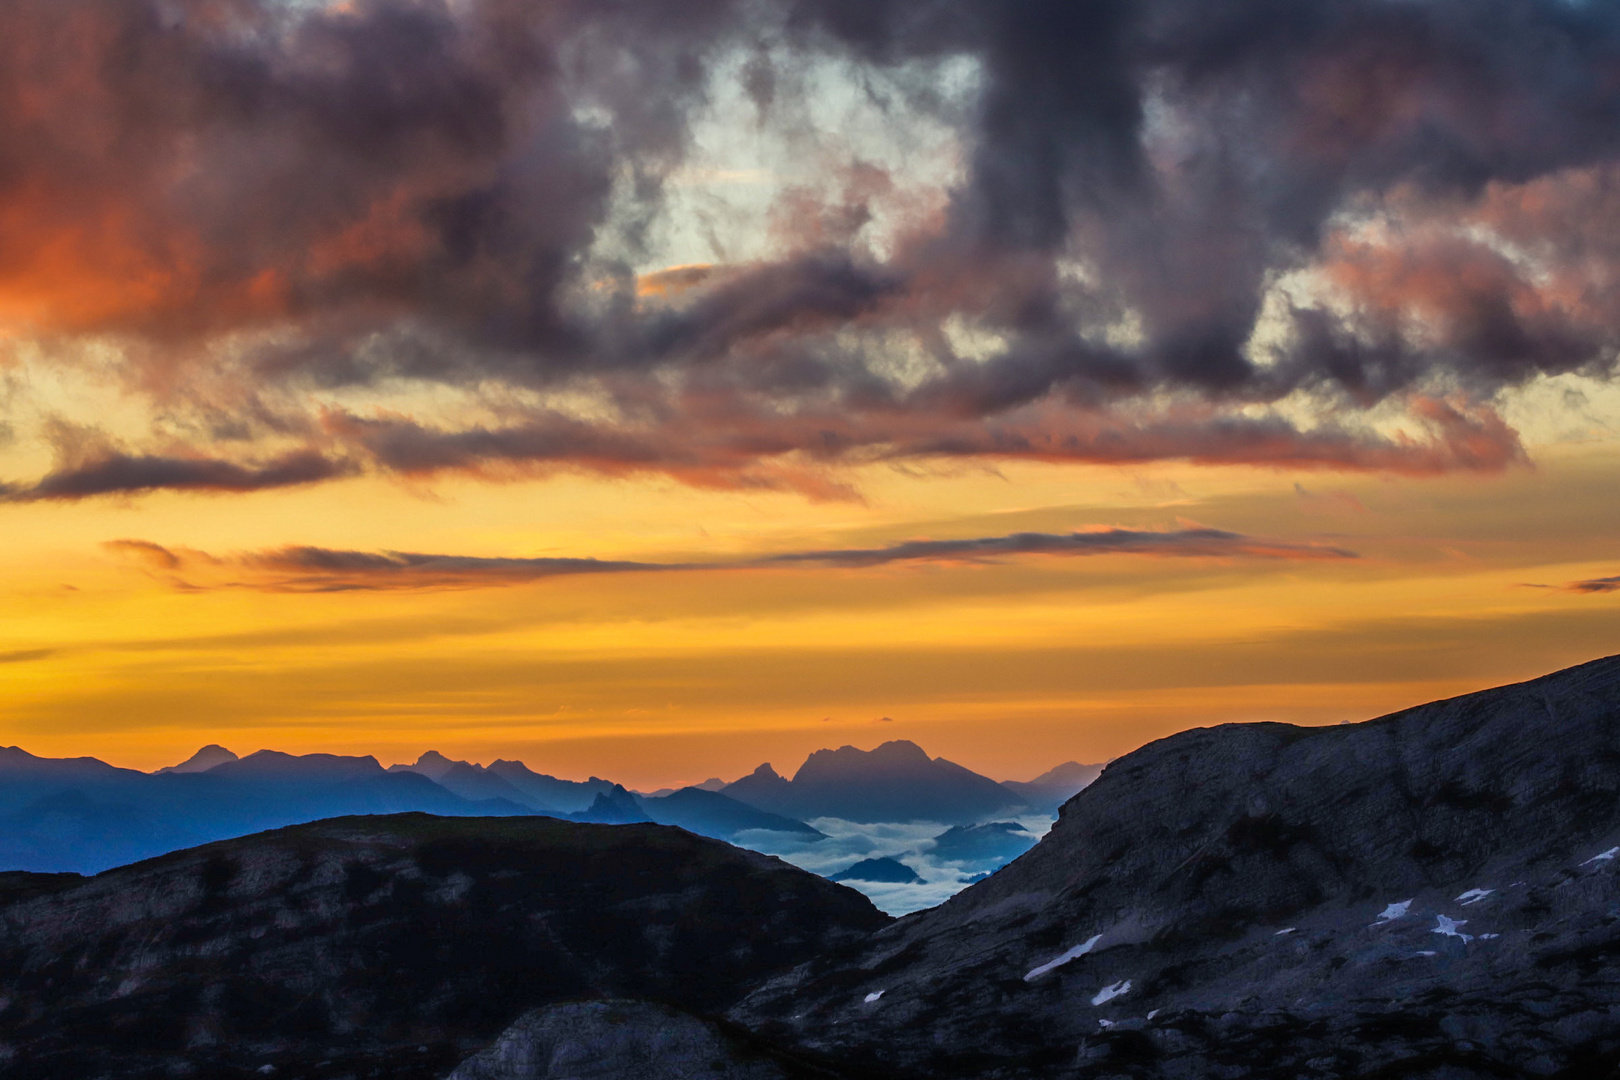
[(1433, 894), (386, 946)]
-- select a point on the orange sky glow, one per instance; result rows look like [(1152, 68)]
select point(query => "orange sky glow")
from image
[(513, 391)]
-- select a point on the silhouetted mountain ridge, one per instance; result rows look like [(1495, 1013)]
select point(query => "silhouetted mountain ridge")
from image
[(897, 781)]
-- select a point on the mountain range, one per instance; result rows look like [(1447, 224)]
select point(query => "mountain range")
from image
[(898, 781), (83, 815), (1431, 895)]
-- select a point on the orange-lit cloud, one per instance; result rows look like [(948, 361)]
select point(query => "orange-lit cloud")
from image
[(252, 201)]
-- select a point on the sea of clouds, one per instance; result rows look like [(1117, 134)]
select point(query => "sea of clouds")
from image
[(911, 843)]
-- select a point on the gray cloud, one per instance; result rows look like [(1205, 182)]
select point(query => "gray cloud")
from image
[(126, 474), (1595, 585), (315, 569)]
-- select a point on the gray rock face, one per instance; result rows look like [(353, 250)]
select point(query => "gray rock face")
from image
[(1228, 902), (624, 1040)]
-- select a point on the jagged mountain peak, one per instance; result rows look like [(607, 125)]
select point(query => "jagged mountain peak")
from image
[(209, 756)]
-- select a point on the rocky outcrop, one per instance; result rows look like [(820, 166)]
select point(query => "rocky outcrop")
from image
[(386, 946), (1434, 893), (630, 1040)]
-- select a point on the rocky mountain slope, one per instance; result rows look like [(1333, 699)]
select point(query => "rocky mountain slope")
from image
[(1431, 894), (385, 946)]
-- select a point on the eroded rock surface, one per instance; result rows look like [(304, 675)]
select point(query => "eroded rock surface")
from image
[(629, 1040)]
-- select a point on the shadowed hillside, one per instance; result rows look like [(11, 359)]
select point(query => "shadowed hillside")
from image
[(357, 940)]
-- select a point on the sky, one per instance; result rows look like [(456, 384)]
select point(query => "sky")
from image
[(652, 390)]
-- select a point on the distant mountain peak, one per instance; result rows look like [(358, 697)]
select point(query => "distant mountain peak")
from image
[(432, 765), (1070, 772), (882, 870), (615, 807), (311, 766), (896, 781), (893, 752), (203, 760)]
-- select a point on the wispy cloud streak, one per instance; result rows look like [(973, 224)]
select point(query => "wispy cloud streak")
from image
[(316, 569), (1594, 585)]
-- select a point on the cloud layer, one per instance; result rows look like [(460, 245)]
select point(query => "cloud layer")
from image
[(315, 569), (1320, 235)]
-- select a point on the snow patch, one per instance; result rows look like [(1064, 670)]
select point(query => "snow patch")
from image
[(1426, 952), (1058, 961), (1109, 993), (873, 996), (1393, 912), (1152, 1013), (1448, 927), (1488, 937), (1285, 930), (1604, 856), (1474, 896), (1105, 1023)]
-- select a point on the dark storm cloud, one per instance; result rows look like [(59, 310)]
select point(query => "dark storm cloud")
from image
[(125, 474), (1595, 585), (1184, 542), (316, 569), (412, 188)]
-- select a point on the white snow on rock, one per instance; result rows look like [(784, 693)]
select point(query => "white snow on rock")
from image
[(1152, 1013), (1474, 896), (1604, 856), (1393, 912), (1426, 952), (1058, 961), (873, 996), (1488, 937), (1105, 1023), (1448, 927), (1284, 930), (1109, 993)]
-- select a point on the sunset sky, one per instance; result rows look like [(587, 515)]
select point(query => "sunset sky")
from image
[(652, 389)]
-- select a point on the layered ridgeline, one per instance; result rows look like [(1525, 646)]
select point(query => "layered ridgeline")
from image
[(386, 946), (1430, 894), (84, 815)]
